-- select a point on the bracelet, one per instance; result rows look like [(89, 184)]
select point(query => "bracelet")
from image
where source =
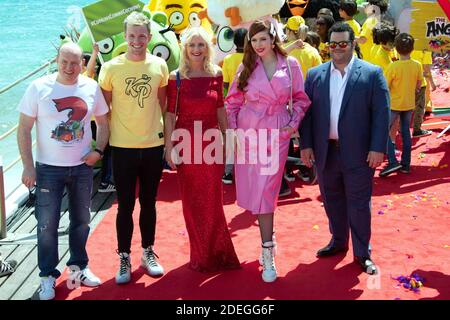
[(100, 152)]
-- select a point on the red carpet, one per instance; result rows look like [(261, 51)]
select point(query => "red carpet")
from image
[(410, 234)]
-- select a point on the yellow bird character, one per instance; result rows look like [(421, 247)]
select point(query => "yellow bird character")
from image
[(182, 13)]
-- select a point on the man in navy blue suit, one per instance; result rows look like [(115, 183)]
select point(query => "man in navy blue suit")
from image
[(345, 132)]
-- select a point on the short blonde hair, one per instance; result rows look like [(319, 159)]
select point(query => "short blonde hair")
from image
[(186, 38), (137, 19)]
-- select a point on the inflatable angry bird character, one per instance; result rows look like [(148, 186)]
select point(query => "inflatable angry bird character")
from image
[(230, 15), (237, 13), (182, 13)]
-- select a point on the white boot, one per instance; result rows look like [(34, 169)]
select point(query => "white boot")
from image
[(274, 241), (269, 273)]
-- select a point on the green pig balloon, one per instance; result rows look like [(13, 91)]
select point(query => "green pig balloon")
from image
[(163, 44)]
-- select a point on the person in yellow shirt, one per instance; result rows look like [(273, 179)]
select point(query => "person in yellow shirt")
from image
[(404, 77), (426, 60), (324, 24), (373, 10), (232, 61), (308, 57), (229, 68), (90, 66), (297, 46), (313, 39), (347, 9), (383, 37), (134, 85), (92, 69)]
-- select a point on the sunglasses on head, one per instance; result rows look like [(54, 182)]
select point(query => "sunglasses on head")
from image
[(341, 44)]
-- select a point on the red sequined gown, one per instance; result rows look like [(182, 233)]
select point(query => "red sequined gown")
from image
[(200, 184)]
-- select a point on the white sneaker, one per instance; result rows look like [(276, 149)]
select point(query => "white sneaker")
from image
[(275, 250), (47, 289), (269, 273), (85, 277), (124, 273), (149, 262)]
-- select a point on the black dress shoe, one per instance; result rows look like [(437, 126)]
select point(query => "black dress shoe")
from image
[(329, 251), (367, 265)]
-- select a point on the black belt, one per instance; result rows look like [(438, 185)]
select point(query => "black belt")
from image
[(333, 143)]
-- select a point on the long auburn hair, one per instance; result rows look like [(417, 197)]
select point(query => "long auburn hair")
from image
[(250, 56)]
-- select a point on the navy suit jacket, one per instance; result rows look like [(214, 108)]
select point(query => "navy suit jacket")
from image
[(363, 119)]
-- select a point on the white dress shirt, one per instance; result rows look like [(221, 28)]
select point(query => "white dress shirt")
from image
[(338, 83)]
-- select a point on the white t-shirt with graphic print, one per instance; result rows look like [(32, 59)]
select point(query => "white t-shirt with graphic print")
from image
[(63, 114)]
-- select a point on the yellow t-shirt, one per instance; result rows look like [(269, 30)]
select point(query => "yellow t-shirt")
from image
[(402, 77), (380, 57), (424, 57), (230, 65), (355, 26), (366, 31), (136, 117), (308, 57)]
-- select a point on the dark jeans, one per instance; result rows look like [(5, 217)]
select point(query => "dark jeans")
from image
[(405, 119), (129, 165), (50, 184)]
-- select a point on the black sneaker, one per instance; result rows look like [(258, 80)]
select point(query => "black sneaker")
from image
[(289, 176), (421, 133), (285, 190), (390, 168), (106, 187), (227, 178), (303, 173), (7, 267), (405, 169)]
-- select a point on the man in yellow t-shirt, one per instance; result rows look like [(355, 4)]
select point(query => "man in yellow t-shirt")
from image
[(404, 77), (426, 60), (347, 9), (134, 85)]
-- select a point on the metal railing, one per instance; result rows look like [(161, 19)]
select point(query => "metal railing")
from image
[(3, 231)]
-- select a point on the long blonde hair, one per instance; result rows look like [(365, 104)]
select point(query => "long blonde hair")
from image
[(185, 63)]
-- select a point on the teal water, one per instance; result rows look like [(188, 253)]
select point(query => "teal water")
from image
[(28, 32)]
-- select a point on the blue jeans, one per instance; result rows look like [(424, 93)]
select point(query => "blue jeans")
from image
[(50, 184), (405, 120)]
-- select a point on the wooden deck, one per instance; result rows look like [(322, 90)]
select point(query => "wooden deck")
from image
[(21, 245)]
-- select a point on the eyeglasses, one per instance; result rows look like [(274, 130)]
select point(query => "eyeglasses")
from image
[(341, 44)]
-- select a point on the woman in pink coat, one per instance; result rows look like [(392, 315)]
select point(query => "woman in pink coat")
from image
[(257, 108)]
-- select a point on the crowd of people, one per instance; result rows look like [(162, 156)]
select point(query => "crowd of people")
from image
[(342, 90)]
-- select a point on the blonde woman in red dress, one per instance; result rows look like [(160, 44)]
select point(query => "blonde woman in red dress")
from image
[(200, 105)]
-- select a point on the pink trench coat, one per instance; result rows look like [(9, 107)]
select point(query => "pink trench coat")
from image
[(263, 107)]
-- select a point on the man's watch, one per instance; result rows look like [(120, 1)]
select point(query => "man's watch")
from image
[(100, 152)]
